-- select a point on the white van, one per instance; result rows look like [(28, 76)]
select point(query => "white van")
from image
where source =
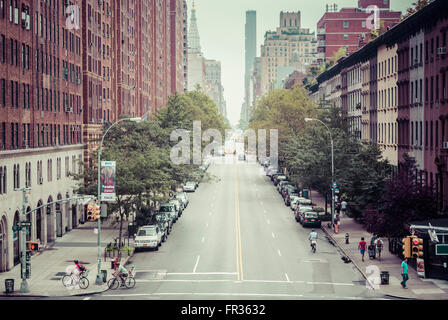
[(148, 237)]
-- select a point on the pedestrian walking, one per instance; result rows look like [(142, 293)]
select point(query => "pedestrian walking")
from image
[(343, 207), (336, 224), (362, 247), (404, 272), (379, 246), (372, 240)]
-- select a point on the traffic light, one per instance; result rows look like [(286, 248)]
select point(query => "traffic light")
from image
[(417, 247), (97, 212), (407, 247), (32, 245), (90, 213)]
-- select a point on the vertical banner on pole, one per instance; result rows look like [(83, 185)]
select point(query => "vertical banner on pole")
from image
[(108, 176)]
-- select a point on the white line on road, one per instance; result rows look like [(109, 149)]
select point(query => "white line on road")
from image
[(206, 294), (279, 253), (268, 222), (199, 273), (87, 298), (273, 235), (196, 265), (206, 225), (203, 239), (240, 281), (287, 278)]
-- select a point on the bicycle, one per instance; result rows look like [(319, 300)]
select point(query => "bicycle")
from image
[(69, 280), (117, 281)]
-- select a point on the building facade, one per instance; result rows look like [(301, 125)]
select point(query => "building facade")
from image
[(289, 45), (350, 28), (41, 121)]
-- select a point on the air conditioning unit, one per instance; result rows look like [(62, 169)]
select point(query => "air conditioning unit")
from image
[(445, 145), (441, 50)]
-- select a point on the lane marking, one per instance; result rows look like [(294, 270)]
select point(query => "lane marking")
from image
[(87, 298), (268, 222), (279, 253), (199, 273), (203, 239), (239, 259), (273, 235), (207, 294), (288, 281), (206, 225), (196, 265)]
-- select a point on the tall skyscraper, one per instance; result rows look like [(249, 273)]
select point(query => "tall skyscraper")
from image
[(196, 61), (251, 53)]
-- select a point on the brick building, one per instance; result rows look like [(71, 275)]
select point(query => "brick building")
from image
[(349, 27), (41, 121)]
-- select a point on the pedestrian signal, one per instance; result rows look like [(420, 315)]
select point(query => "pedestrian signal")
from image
[(90, 213), (417, 248), (407, 247), (32, 245)]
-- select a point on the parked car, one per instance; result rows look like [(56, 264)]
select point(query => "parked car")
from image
[(310, 218), (165, 218), (278, 179), (163, 224), (289, 189), (271, 170), (170, 209), (149, 236), (182, 196), (301, 210), (305, 202), (275, 175), (296, 202), (282, 184), (178, 206), (190, 187), (290, 197)]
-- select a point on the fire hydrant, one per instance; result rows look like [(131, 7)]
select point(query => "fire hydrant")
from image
[(347, 238)]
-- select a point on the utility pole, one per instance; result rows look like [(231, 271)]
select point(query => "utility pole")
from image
[(24, 285)]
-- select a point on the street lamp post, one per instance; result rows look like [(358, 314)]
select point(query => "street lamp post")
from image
[(332, 169), (98, 280)]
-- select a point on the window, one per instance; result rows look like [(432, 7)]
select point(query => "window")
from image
[(345, 36), (363, 24), (67, 166), (345, 24)]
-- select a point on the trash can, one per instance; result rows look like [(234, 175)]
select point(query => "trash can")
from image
[(9, 285), (384, 277), (104, 272)]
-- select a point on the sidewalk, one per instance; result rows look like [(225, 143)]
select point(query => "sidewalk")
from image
[(419, 288), (49, 265)]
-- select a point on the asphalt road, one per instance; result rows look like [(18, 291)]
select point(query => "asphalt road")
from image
[(237, 240)]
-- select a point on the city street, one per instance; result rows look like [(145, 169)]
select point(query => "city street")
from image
[(237, 240)]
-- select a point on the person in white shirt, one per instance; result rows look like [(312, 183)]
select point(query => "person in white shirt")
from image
[(379, 246), (343, 207)]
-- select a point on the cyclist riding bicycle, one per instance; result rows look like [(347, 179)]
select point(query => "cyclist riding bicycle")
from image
[(80, 267), (121, 271), (313, 237)]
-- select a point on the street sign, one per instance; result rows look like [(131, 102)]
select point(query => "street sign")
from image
[(336, 190), (16, 228), (335, 184), (441, 249)]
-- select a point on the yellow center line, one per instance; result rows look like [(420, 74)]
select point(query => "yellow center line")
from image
[(239, 259)]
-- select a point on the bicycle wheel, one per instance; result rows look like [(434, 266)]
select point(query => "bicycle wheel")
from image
[(129, 282), (67, 280), (113, 283), (83, 283)]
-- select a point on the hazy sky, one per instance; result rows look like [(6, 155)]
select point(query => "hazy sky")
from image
[(221, 30)]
